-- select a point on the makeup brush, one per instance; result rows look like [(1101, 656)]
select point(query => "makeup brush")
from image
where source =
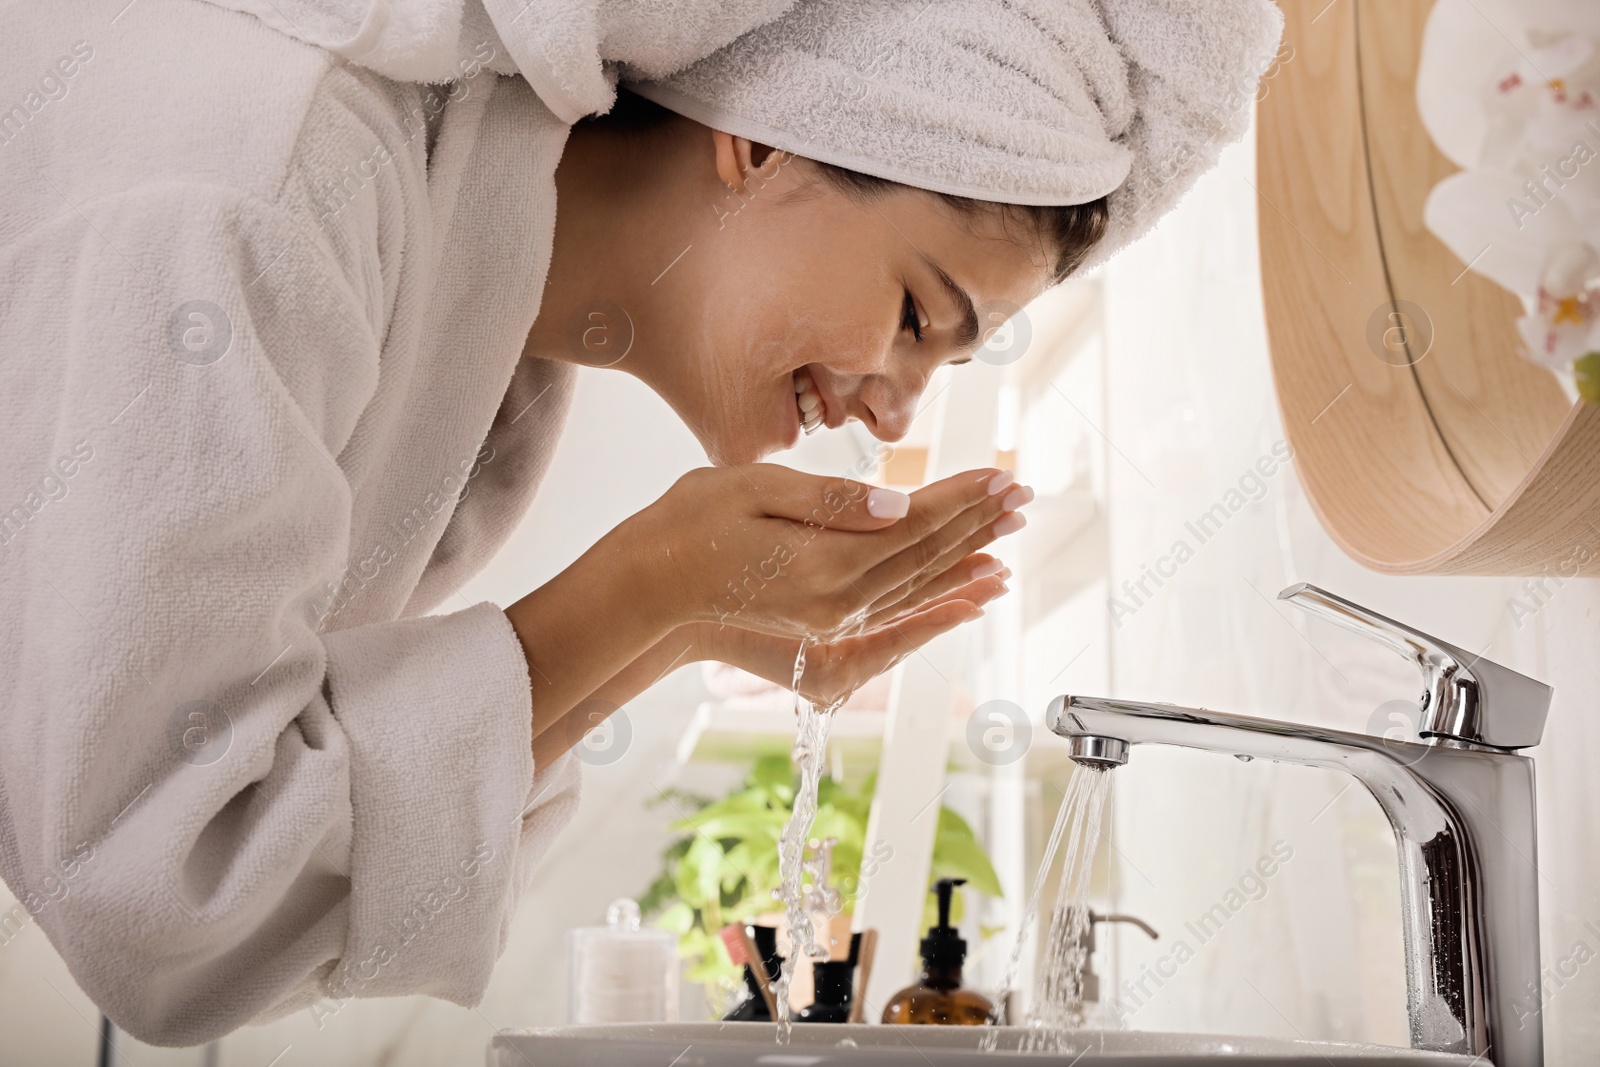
[(868, 948)]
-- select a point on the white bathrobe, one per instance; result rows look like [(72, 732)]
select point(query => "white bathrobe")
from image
[(261, 315)]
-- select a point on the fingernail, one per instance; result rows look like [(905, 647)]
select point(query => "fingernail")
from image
[(1009, 523), (1005, 574), (1016, 498), (1000, 481), (986, 568), (887, 504)]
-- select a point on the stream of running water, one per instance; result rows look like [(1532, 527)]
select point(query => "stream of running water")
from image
[(809, 754), (1057, 1006)]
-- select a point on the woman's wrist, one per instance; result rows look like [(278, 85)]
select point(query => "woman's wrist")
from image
[(763, 655), (706, 638), (641, 569), (643, 550), (591, 621)]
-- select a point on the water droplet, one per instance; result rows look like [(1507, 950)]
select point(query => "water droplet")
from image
[(1242, 758)]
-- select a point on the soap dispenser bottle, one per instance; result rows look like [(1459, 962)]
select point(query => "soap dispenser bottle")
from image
[(938, 998)]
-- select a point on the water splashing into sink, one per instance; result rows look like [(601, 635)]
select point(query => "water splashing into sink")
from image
[(809, 753), (1058, 992)]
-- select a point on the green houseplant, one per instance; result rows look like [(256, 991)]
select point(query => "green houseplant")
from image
[(724, 867)]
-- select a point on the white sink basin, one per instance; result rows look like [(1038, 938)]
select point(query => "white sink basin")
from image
[(825, 1045)]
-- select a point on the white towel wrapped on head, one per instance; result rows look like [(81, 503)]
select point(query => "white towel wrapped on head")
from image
[(1015, 101)]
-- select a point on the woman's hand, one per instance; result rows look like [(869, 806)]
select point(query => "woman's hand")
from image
[(871, 572), (768, 549), (836, 669)]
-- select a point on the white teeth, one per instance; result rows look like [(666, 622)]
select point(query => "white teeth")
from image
[(809, 402), (810, 418)]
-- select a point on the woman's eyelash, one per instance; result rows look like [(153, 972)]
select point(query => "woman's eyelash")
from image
[(909, 319)]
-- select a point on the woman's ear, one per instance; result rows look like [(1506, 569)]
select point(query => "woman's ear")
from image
[(737, 159)]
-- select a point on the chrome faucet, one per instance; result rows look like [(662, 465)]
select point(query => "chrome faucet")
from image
[(1460, 800)]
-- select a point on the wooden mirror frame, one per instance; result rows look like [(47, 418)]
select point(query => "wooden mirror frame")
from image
[(1460, 457)]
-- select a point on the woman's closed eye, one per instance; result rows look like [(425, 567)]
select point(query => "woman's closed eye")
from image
[(911, 319)]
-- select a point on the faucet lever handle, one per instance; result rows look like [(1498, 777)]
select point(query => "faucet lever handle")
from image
[(1467, 698), (1132, 920), (1095, 919)]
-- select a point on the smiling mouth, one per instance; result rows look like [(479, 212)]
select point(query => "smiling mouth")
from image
[(808, 401)]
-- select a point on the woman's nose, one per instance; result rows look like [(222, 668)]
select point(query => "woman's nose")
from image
[(890, 405)]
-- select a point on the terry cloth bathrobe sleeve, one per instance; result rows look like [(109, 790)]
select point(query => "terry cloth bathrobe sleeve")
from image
[(220, 798)]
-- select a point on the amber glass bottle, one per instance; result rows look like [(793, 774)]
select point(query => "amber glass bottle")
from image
[(938, 999)]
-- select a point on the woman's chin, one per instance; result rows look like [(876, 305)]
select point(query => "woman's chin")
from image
[(732, 450), (738, 456), (768, 424)]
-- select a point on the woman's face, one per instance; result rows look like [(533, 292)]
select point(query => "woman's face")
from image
[(792, 278), (733, 280)]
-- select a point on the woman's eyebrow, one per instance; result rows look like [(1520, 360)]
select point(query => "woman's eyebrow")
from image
[(967, 330)]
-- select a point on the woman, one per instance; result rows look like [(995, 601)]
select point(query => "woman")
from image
[(293, 298)]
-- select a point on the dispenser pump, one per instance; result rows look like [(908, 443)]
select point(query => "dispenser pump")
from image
[(944, 947), (938, 998)]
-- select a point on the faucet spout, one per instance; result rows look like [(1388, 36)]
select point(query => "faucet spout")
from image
[(1099, 751), (1464, 823)]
